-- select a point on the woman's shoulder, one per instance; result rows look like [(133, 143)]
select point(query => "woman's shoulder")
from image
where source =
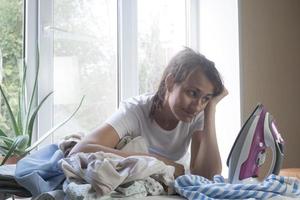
[(143, 101), (140, 100)]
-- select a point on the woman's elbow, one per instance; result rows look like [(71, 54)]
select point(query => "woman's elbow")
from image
[(207, 173), (218, 170)]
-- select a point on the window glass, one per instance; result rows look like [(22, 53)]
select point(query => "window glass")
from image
[(85, 62), (11, 51), (217, 16), (161, 33)]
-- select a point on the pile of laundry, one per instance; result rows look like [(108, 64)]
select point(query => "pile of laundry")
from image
[(90, 175)]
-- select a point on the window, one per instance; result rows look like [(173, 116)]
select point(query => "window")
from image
[(109, 50), (161, 34), (218, 22), (85, 62), (11, 54)]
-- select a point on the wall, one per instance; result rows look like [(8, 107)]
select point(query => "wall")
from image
[(269, 32)]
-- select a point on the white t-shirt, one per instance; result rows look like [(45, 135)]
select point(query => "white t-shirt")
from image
[(132, 118)]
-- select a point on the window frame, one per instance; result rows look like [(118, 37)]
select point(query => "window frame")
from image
[(39, 24), (38, 43), (31, 48), (46, 72), (127, 49), (39, 37)]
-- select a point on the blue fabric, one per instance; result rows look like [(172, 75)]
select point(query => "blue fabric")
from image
[(197, 187), (40, 172)]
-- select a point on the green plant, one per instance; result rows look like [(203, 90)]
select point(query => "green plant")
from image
[(23, 122)]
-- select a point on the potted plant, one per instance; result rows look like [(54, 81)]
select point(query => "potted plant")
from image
[(22, 123)]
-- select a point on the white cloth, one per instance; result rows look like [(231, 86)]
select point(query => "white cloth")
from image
[(137, 145), (132, 118), (106, 171)]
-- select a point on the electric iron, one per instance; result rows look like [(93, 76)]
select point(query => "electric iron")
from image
[(249, 150)]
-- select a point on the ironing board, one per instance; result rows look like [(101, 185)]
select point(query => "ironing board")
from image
[(8, 185), (10, 188), (291, 172)]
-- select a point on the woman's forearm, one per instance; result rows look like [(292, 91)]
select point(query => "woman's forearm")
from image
[(210, 140), (207, 161)]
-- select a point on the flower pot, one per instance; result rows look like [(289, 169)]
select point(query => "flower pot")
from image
[(11, 160)]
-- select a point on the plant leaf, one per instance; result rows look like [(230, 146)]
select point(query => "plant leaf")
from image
[(3, 151), (19, 115), (18, 140), (4, 147), (33, 116), (23, 93), (2, 133), (3, 140), (22, 99), (24, 143), (6, 139), (33, 93), (12, 118), (48, 133), (17, 152)]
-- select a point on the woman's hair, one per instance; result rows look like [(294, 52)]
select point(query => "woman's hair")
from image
[(180, 67)]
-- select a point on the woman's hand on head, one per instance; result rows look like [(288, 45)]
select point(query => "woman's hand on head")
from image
[(215, 100)]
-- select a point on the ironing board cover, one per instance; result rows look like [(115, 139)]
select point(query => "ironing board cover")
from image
[(8, 184)]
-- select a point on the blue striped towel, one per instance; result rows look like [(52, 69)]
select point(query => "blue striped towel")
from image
[(197, 187)]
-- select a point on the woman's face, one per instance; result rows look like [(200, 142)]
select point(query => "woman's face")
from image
[(190, 97)]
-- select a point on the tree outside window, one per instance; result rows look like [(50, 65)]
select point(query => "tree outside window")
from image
[(11, 48)]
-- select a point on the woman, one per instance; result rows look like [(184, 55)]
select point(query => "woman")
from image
[(182, 110)]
